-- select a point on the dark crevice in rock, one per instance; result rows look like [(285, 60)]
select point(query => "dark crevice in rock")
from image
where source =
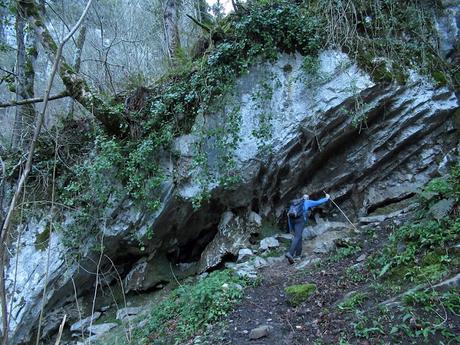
[(294, 151), (388, 202), (160, 285), (255, 205), (228, 257)]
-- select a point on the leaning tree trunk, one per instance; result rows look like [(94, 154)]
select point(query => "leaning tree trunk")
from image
[(76, 86), (171, 29)]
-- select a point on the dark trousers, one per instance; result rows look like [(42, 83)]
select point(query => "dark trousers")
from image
[(296, 244)]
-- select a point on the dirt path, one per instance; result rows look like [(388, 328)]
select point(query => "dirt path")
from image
[(316, 318), (346, 308)]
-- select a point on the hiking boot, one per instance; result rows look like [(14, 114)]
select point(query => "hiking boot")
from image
[(289, 257)]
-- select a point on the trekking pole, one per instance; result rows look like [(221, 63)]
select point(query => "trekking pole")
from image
[(349, 221)]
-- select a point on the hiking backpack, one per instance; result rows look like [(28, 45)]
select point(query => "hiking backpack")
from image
[(296, 208)]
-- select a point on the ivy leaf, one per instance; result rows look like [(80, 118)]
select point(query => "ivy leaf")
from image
[(384, 269)]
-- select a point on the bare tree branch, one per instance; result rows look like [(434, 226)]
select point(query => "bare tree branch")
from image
[(34, 100)]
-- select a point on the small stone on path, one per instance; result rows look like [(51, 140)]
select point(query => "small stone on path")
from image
[(259, 332)]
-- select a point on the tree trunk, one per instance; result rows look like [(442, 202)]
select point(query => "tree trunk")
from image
[(25, 77), (171, 29), (77, 63), (3, 11)]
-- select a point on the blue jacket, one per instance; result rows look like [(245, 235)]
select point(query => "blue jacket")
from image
[(307, 205)]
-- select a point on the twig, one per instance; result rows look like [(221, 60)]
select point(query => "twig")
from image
[(78, 307), (175, 278), (16, 264), (124, 295), (289, 323), (48, 259), (61, 329), (96, 284)]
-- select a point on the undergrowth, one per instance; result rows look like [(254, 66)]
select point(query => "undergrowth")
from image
[(189, 308), (417, 256)]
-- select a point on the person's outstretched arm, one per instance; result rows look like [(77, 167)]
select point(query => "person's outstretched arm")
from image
[(313, 203)]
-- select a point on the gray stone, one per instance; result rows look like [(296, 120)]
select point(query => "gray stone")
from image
[(83, 324), (232, 236), (102, 328), (306, 263), (146, 274), (244, 254), (260, 332), (269, 243), (255, 218), (275, 259), (125, 312), (284, 238), (448, 27), (442, 208), (361, 258), (259, 262), (245, 270)]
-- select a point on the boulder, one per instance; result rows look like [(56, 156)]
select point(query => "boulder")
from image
[(269, 243), (244, 253), (232, 235), (83, 324), (259, 262), (102, 328), (284, 238), (124, 313)]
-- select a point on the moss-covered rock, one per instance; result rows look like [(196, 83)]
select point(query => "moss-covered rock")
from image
[(296, 294)]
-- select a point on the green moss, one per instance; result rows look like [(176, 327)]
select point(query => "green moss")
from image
[(296, 294), (439, 77), (42, 239)]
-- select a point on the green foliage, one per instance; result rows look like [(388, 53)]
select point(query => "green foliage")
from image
[(297, 294), (353, 302), (355, 274), (310, 64), (366, 328), (190, 308), (42, 239), (264, 115), (344, 252), (417, 251)]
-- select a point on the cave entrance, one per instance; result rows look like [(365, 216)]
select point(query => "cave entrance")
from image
[(192, 249)]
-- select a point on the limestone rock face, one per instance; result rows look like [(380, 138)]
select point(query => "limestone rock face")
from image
[(308, 141), (233, 234)]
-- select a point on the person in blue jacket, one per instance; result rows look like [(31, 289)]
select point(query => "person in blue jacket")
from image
[(298, 224)]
